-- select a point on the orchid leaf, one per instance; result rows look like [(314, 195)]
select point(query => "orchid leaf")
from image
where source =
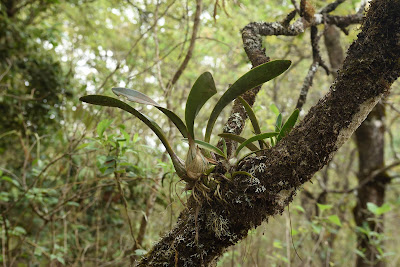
[(224, 147), (202, 90), (176, 120), (256, 138), (272, 141), (253, 118), (239, 139), (138, 97), (250, 153), (278, 123), (113, 102), (241, 173), (135, 96), (209, 147), (251, 79), (289, 124)]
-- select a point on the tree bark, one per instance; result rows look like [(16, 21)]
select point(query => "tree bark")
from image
[(220, 216), (334, 48)]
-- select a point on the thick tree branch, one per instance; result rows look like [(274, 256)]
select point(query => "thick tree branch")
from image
[(242, 203), (299, 26)]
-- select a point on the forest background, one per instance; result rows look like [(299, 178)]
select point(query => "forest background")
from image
[(89, 186)]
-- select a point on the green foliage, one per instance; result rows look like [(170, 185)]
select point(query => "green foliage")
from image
[(378, 210), (202, 90), (211, 148), (289, 124), (335, 220), (252, 117), (102, 126), (274, 109), (256, 138), (34, 80), (112, 102), (239, 139), (324, 222), (280, 131), (323, 207), (139, 97), (251, 79)]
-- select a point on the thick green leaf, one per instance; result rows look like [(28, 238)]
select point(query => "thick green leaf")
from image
[(113, 102), (141, 98), (256, 138), (209, 147), (202, 90), (251, 79), (253, 118), (239, 139), (176, 120), (287, 127)]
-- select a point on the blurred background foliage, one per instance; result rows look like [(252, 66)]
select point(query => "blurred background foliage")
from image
[(79, 183)]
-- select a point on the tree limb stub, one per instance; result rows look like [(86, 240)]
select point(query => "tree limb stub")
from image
[(370, 68)]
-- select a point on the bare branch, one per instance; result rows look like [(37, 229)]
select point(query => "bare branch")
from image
[(182, 67), (317, 61), (307, 84), (331, 6)]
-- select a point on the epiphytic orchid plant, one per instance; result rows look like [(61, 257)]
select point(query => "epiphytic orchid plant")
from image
[(203, 89)]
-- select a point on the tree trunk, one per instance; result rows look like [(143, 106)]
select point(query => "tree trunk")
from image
[(222, 214), (370, 144)]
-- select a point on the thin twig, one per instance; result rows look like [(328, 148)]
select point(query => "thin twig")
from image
[(182, 67)]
